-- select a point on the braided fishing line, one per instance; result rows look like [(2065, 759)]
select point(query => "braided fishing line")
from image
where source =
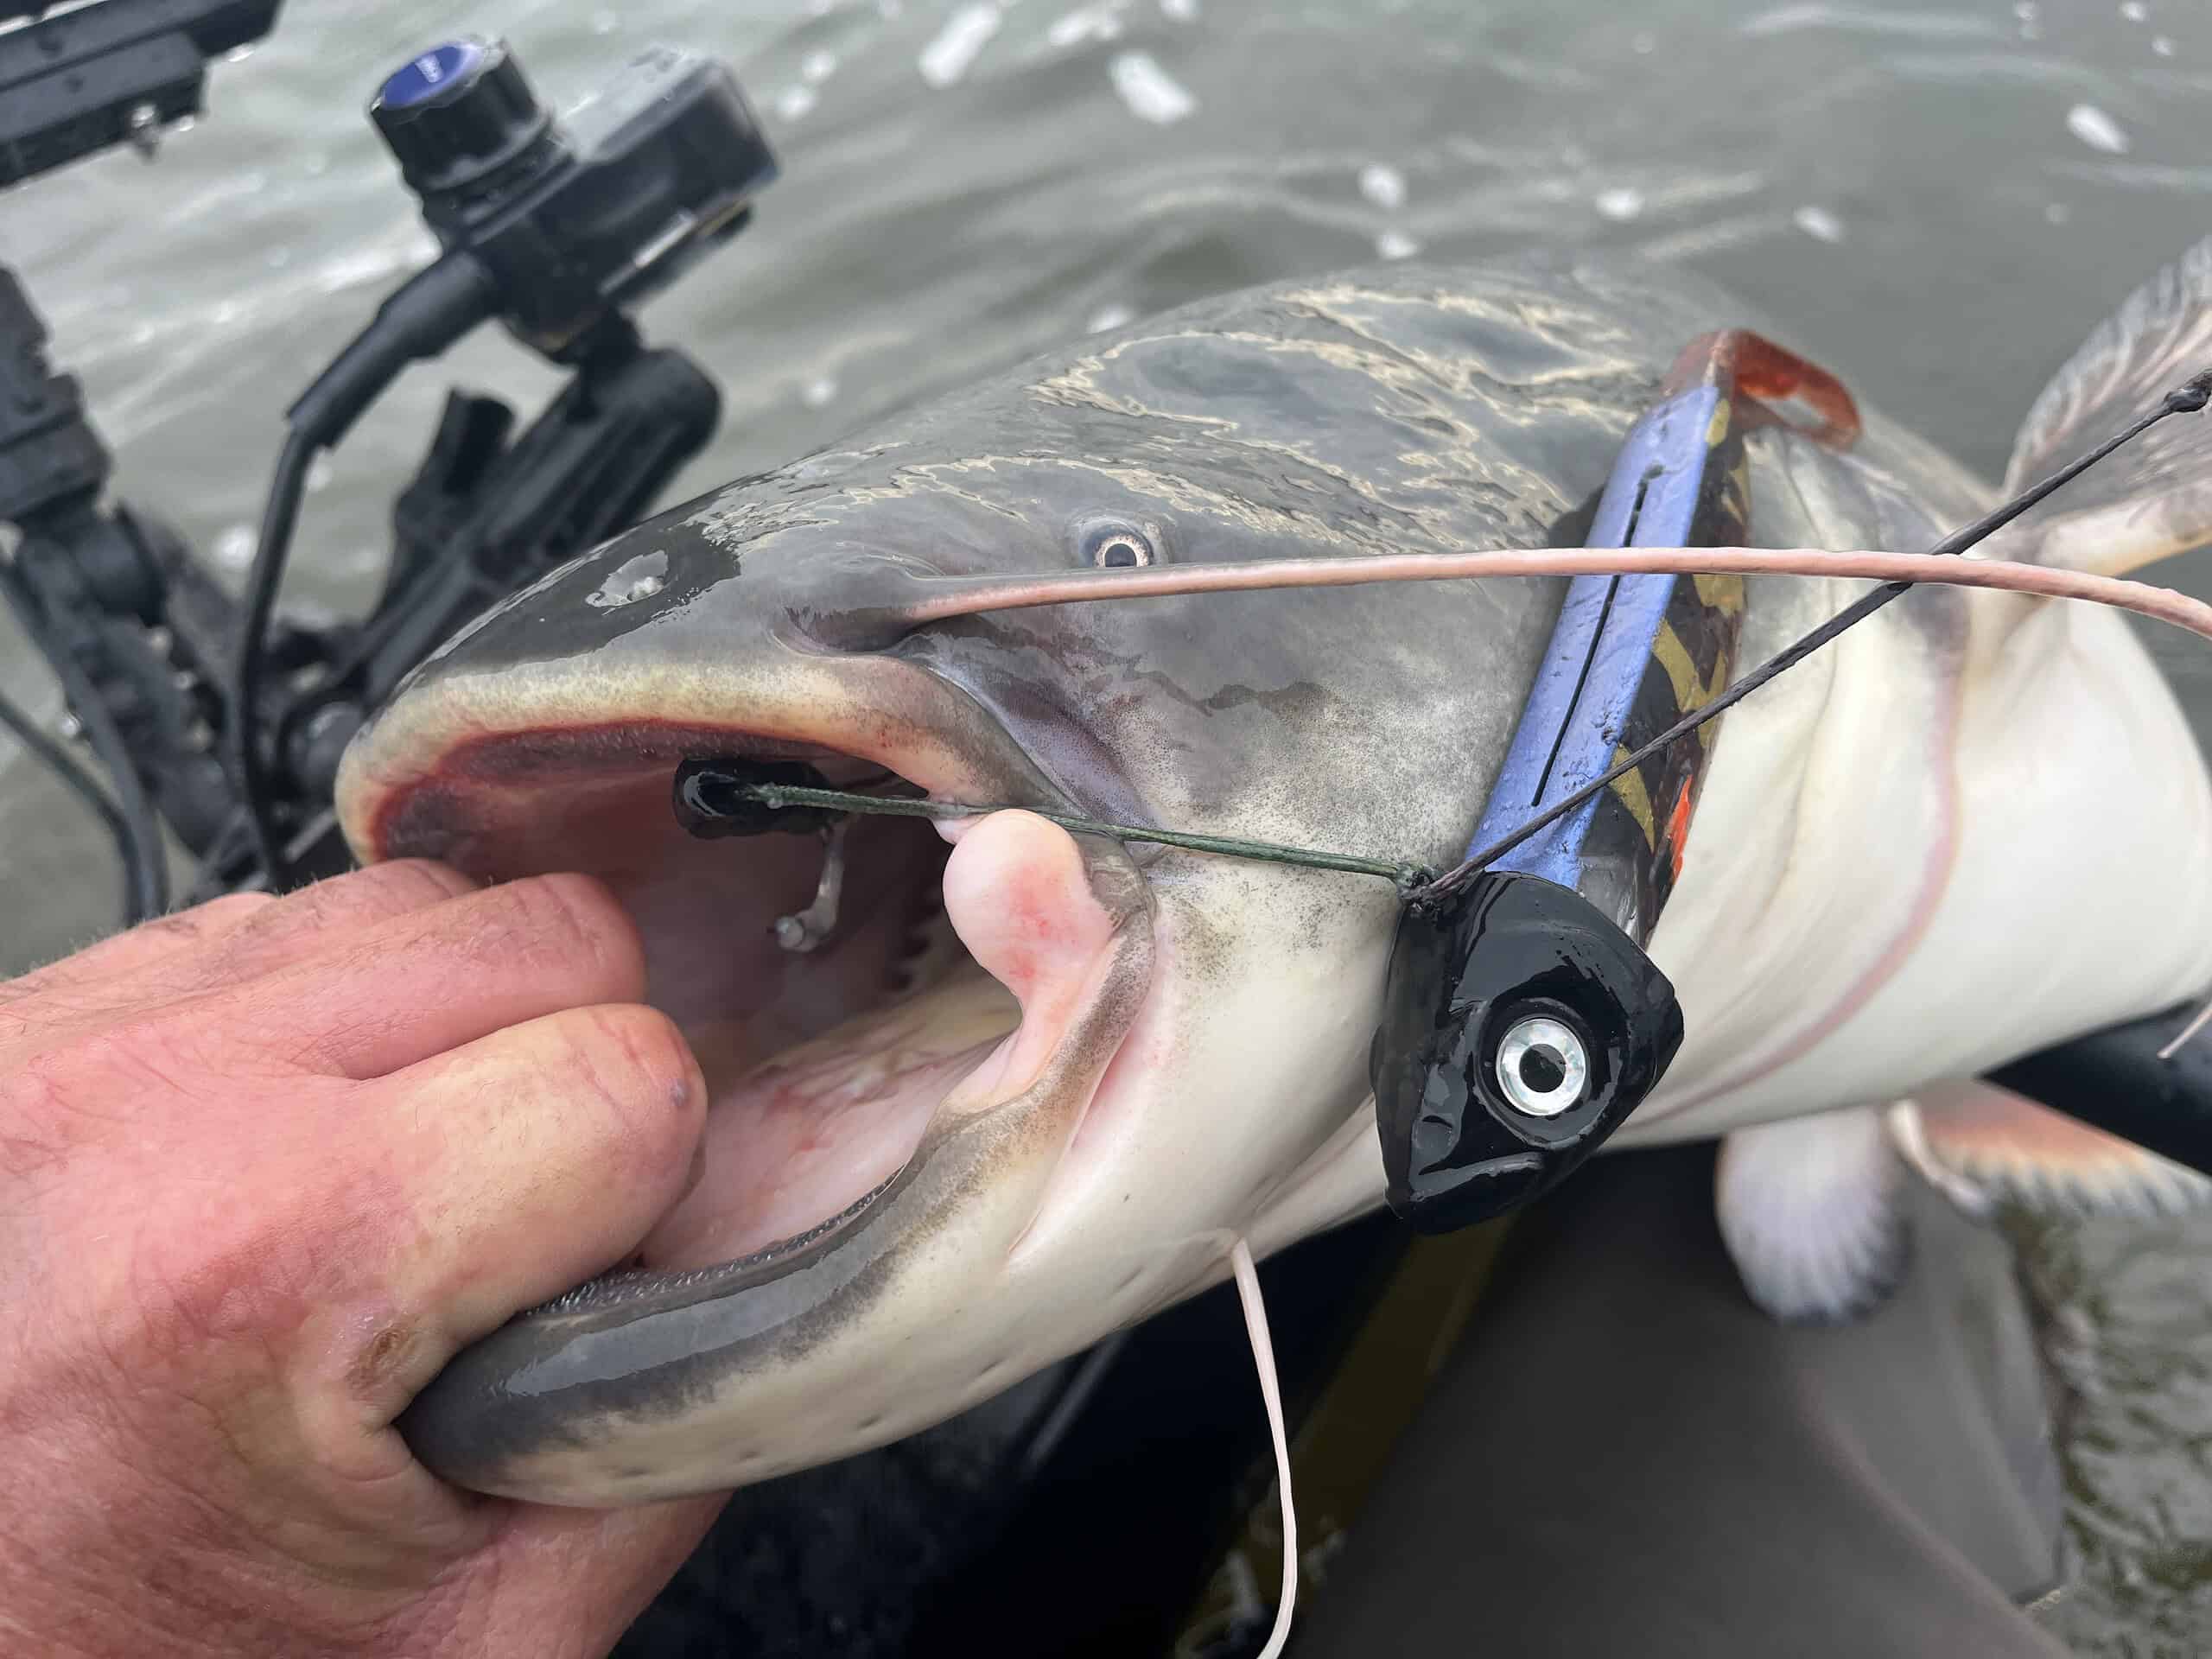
[(778, 796), (1263, 1359)]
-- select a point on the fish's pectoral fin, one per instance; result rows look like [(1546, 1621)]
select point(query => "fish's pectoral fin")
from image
[(2153, 500), (1983, 1145), (1812, 1210)]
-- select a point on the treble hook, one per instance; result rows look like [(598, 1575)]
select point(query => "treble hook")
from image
[(809, 927)]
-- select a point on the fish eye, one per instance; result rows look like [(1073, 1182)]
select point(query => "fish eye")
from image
[(1119, 547)]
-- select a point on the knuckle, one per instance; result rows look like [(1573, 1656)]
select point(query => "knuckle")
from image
[(566, 919), (220, 1275), (222, 928), (181, 1053), (232, 1275), (378, 894), (216, 916), (238, 1238), (404, 885), (635, 1059)]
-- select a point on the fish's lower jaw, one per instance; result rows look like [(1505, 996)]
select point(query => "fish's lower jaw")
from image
[(940, 1323), (919, 1319), (910, 1341)]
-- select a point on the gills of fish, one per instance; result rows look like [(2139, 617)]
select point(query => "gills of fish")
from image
[(1034, 1083)]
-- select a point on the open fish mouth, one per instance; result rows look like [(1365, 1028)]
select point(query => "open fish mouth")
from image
[(892, 1103)]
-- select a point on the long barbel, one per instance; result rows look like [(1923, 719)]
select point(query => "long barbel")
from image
[(946, 597)]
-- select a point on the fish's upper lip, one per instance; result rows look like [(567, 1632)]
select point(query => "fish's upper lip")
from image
[(432, 775)]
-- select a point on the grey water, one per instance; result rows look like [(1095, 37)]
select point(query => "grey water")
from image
[(1937, 200)]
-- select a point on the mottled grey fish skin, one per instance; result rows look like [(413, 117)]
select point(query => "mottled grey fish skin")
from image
[(1405, 410)]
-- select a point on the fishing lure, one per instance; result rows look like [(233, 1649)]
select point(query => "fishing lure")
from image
[(1524, 1021)]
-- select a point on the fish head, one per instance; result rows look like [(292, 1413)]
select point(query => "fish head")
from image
[(1033, 1084)]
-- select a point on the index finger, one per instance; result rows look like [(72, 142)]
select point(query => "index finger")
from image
[(227, 940), (428, 982)]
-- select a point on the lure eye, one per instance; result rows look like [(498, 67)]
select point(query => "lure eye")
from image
[(1521, 1026), (1119, 547), (1542, 1067)]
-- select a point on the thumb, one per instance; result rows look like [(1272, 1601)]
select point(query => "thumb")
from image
[(529, 1160), (540, 1155)]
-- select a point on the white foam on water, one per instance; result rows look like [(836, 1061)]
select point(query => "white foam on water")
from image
[(818, 67), (1397, 244), (818, 391), (1179, 11), (1819, 222), (2163, 45), (1109, 316), (2134, 11), (1823, 16), (1151, 93), (1621, 203), (1090, 24), (2096, 129), (949, 57), (796, 101), (1383, 186)]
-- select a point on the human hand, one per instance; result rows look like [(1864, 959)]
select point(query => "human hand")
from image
[(265, 1165)]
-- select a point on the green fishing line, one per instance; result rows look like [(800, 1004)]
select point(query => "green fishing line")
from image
[(778, 797)]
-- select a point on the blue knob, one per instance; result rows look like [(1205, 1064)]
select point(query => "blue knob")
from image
[(458, 116), (436, 73)]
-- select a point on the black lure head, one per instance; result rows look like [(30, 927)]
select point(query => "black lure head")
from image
[(1520, 1027), (711, 799)]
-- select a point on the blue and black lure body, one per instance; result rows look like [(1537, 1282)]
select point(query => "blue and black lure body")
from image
[(1524, 1021)]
